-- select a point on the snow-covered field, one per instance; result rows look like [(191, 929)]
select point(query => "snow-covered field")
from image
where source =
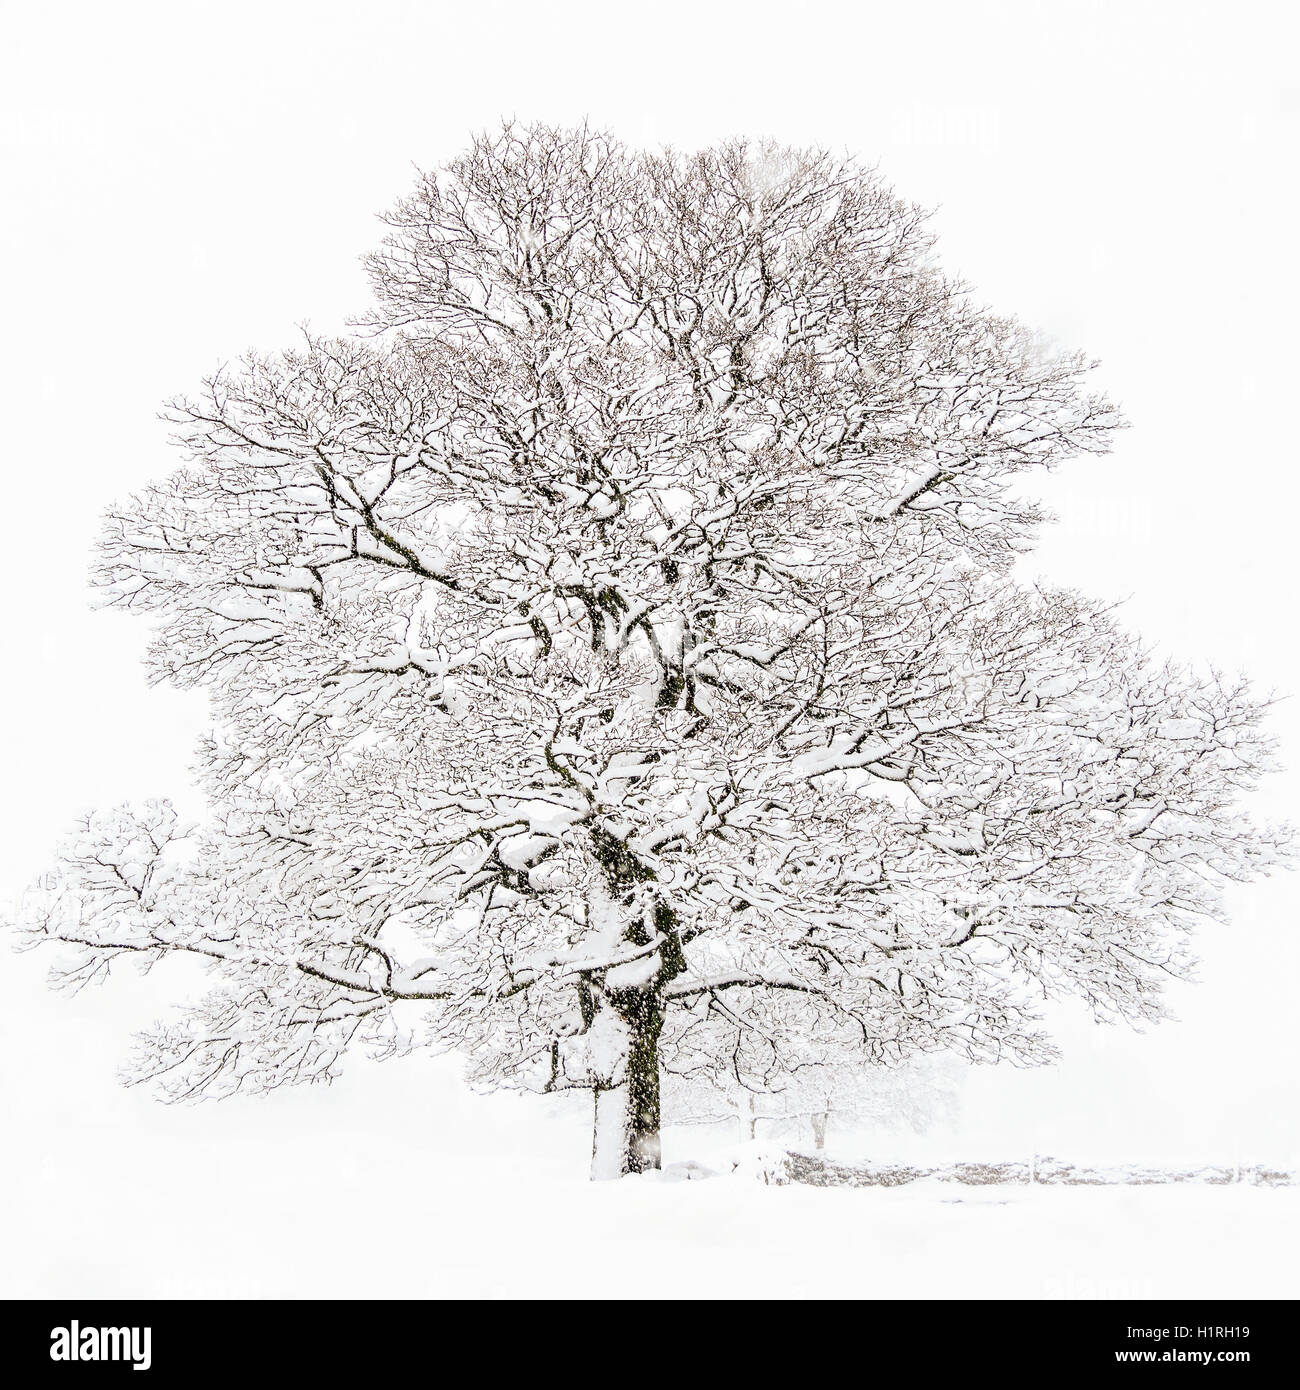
[(399, 1183)]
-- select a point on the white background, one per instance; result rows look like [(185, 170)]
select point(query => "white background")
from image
[(179, 182)]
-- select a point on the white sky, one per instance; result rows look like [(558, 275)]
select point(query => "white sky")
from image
[(181, 182)]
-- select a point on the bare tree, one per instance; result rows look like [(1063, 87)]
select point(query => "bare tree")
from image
[(808, 1095), (614, 663)]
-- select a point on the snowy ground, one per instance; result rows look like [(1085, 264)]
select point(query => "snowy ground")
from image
[(398, 1183)]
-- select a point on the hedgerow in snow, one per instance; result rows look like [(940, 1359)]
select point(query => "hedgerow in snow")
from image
[(615, 665)]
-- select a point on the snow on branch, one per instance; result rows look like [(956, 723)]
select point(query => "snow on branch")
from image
[(618, 625)]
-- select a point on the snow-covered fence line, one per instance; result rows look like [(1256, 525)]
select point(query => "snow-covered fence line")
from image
[(817, 1171)]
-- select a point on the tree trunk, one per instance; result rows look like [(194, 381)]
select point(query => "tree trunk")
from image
[(626, 1122), (623, 1035), (819, 1123)]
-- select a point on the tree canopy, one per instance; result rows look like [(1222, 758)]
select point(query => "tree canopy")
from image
[(615, 662)]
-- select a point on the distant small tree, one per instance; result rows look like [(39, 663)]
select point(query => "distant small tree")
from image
[(613, 662), (916, 1095)]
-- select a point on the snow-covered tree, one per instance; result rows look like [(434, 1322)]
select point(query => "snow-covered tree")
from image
[(808, 1096), (615, 665)]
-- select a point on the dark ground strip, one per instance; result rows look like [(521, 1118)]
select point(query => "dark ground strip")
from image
[(820, 1172)]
